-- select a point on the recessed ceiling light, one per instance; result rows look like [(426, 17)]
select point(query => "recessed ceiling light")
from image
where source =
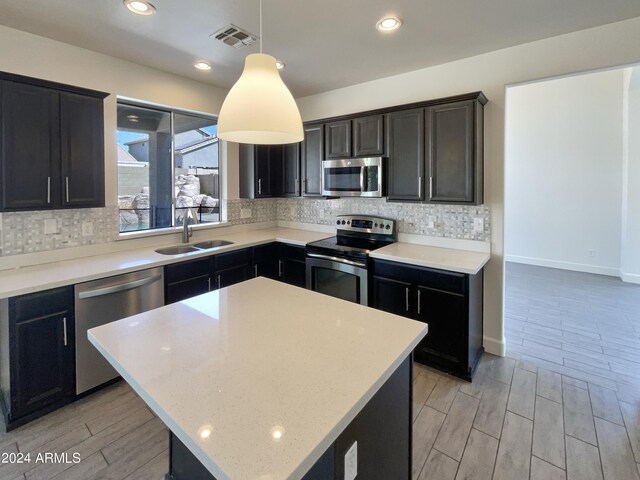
[(202, 66), (388, 24), (280, 64), (140, 7)]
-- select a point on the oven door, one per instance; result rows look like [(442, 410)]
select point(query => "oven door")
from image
[(353, 177), (338, 277)]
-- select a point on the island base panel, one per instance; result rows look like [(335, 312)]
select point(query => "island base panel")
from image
[(382, 430)]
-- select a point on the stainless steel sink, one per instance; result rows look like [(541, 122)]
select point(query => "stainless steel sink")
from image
[(177, 249), (211, 244)]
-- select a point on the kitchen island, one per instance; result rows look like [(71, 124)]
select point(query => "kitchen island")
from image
[(263, 380)]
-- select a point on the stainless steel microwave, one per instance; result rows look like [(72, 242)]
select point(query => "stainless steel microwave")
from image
[(354, 177)]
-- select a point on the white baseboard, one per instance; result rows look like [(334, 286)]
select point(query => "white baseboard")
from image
[(494, 346), (630, 277), (576, 267)]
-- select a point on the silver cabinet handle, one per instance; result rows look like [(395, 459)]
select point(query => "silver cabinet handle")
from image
[(279, 268), (209, 283), (64, 329), (218, 280), (419, 302), (297, 185), (406, 298), (66, 181), (255, 270), (430, 187), (304, 189), (419, 187), (259, 186), (48, 189)]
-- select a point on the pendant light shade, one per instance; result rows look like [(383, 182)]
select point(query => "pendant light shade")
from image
[(259, 108)]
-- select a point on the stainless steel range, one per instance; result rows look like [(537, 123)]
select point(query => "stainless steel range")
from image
[(337, 266)]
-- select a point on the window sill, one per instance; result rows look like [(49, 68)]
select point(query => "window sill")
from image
[(168, 231)]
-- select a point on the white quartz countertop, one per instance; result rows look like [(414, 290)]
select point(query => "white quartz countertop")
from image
[(260, 378), (68, 272), (461, 261)]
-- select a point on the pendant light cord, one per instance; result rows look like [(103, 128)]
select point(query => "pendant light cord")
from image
[(260, 26)]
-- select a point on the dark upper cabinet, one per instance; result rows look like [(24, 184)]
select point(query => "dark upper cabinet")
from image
[(405, 142), (337, 139), (260, 170), (291, 170), (312, 156), (41, 352), (449, 302), (29, 149), (368, 136), (51, 145), (82, 150), (454, 152), (360, 137)]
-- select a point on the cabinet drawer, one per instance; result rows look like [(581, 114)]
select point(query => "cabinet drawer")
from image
[(186, 270), (293, 252), (40, 304), (266, 251), (442, 280), (223, 261)]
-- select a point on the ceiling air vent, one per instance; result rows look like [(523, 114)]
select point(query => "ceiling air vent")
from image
[(234, 36)]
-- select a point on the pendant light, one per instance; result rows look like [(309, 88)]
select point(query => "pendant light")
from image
[(259, 108)]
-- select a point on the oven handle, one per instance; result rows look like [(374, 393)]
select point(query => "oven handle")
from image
[(337, 259)]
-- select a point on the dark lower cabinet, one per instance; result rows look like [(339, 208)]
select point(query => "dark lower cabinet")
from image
[(38, 375), (186, 279), (292, 265), (450, 302), (232, 267), (265, 260)]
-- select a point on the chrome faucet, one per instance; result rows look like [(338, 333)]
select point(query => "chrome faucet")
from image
[(186, 231)]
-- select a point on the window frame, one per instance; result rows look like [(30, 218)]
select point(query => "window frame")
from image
[(222, 179)]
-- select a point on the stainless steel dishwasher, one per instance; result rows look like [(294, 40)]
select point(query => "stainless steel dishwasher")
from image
[(104, 301)]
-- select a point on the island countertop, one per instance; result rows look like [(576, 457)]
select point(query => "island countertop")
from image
[(260, 378)]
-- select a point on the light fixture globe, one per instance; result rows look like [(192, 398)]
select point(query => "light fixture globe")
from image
[(259, 108)]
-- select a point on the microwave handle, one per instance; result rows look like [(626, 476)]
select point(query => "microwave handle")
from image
[(362, 178)]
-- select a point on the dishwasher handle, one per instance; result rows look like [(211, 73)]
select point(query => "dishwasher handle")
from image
[(98, 292)]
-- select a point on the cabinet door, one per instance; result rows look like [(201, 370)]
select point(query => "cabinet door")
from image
[(405, 140), (368, 136), (292, 272), (82, 150), (337, 139), (450, 151), (265, 260), (312, 156), (446, 314), (276, 167), (29, 147), (291, 170), (393, 296), (42, 362), (263, 172)]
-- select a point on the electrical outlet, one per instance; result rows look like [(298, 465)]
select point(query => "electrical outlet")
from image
[(50, 226), (293, 211), (320, 213), (87, 229), (351, 462), (478, 224), (245, 213)]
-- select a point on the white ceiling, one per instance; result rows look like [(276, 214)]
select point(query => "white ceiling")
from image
[(326, 44)]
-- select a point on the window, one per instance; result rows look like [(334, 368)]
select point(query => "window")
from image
[(167, 165)]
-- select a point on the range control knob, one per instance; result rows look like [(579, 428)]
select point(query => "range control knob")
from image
[(338, 222), (348, 222), (388, 227), (343, 222), (375, 225)]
